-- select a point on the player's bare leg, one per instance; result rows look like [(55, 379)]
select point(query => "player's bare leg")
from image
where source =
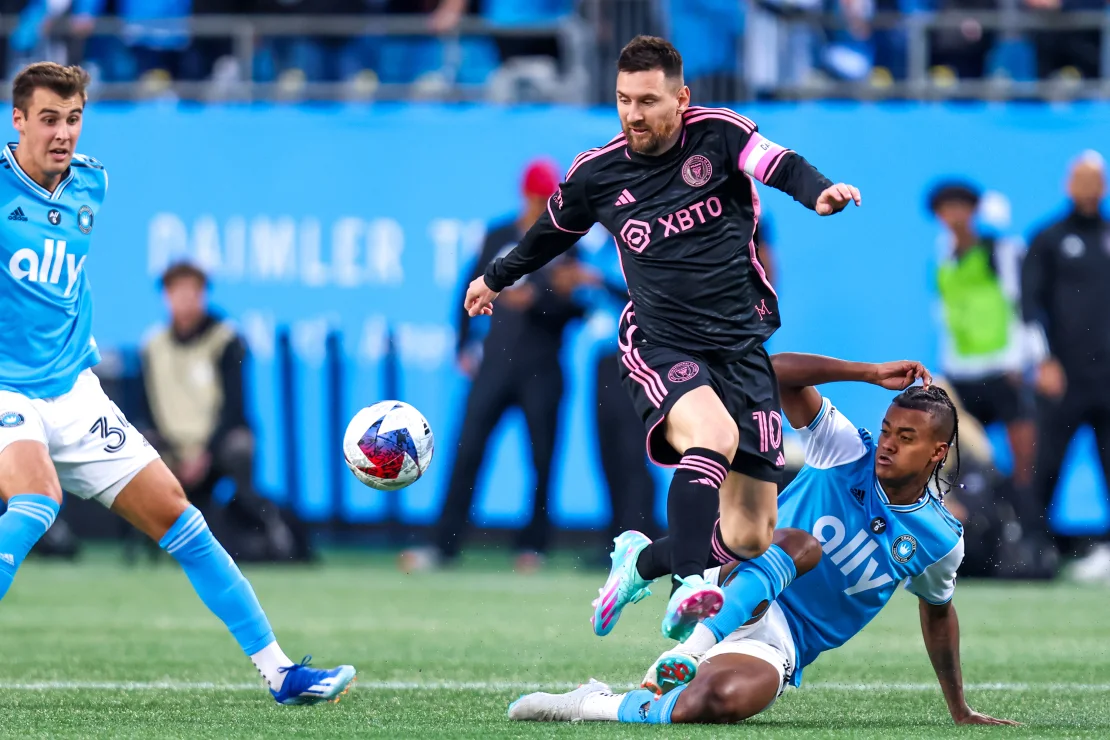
[(154, 502), (728, 688), (700, 428), (749, 513), (30, 488)]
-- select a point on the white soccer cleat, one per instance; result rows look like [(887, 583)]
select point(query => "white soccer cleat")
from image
[(1094, 568), (543, 707)]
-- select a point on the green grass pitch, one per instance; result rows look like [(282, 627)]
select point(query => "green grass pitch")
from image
[(99, 650)]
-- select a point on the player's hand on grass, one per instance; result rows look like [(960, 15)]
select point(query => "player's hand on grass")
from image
[(479, 298), (971, 717), (836, 198), (900, 375)]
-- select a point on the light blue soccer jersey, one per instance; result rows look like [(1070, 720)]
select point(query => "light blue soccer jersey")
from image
[(45, 302), (871, 546)]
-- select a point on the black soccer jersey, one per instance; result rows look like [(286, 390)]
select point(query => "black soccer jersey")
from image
[(683, 222)]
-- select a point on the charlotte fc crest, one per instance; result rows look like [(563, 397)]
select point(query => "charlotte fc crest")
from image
[(903, 548), (85, 219)]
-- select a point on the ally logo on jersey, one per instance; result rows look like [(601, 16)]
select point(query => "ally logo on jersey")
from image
[(50, 264)]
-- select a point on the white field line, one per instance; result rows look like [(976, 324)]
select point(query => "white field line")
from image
[(495, 686)]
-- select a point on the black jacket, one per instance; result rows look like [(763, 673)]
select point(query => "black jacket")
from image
[(1065, 285)]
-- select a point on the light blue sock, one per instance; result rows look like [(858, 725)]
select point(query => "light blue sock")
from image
[(641, 707), (218, 581), (28, 517), (748, 585)]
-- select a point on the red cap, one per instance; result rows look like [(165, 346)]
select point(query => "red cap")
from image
[(541, 179)]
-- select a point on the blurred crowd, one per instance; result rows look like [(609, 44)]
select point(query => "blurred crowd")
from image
[(732, 48)]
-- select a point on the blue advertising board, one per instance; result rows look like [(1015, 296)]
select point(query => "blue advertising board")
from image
[(366, 220)]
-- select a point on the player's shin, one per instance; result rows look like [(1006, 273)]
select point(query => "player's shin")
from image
[(751, 583), (225, 591), (692, 505), (26, 520)]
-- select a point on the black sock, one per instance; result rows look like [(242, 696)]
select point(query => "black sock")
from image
[(655, 560), (692, 506)]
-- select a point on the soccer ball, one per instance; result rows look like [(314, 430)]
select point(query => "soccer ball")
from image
[(388, 445)]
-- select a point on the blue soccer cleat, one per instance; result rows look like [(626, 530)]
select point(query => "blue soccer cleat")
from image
[(307, 685), (694, 600), (624, 585)]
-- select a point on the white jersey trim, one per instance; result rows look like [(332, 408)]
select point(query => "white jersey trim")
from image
[(937, 584), (831, 439)]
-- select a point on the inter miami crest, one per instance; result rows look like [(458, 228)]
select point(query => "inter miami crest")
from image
[(696, 171)]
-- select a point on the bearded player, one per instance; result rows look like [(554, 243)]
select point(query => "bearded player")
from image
[(677, 188)]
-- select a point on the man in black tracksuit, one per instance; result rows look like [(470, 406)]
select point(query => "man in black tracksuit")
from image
[(519, 366), (1066, 291)]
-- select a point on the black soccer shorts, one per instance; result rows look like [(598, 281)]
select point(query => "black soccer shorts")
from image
[(656, 377)]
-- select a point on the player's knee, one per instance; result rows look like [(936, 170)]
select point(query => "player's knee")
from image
[(724, 699), (25, 467), (802, 547), (722, 437), (746, 538), (49, 487)]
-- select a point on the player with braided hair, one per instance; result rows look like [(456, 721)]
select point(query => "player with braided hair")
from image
[(864, 516), (934, 400)]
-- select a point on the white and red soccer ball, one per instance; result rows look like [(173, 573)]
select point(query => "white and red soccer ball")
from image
[(389, 445)]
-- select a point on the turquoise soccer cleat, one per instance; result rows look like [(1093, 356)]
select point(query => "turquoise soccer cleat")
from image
[(307, 685), (694, 600), (624, 585), (670, 670)]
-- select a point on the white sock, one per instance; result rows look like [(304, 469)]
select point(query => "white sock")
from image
[(602, 707), (268, 660), (699, 641)]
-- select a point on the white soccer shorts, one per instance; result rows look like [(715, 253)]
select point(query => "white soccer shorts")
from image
[(96, 452), (769, 639)]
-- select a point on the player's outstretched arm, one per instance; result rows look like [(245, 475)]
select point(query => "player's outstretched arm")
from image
[(781, 168), (567, 218), (798, 373), (941, 630), (543, 243), (804, 183)]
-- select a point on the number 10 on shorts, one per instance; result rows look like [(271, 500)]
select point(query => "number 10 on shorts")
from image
[(770, 429)]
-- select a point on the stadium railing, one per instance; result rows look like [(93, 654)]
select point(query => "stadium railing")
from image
[(247, 32), (587, 45), (920, 84)]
